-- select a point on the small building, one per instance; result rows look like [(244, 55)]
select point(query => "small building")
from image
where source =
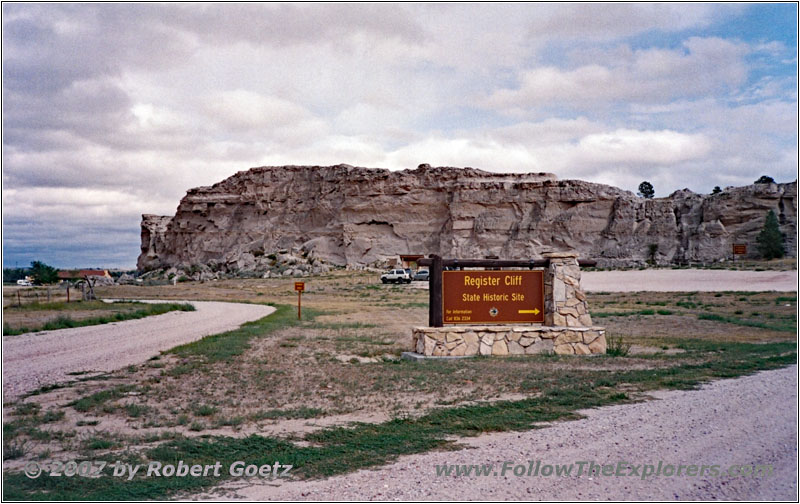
[(410, 260)]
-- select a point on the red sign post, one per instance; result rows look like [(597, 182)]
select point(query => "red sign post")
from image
[(299, 287)]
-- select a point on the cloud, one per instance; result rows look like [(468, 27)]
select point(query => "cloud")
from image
[(113, 110), (241, 112), (641, 147), (702, 66), (597, 21)]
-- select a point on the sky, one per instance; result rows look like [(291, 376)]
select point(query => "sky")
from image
[(110, 111)]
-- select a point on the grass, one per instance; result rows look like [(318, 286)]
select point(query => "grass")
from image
[(646, 311), (228, 345), (65, 321), (97, 443), (781, 326), (339, 450), (343, 325), (98, 399), (205, 410), (14, 449), (290, 414), (136, 410), (251, 380)]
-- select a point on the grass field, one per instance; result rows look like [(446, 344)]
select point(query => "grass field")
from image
[(61, 315), (329, 394)]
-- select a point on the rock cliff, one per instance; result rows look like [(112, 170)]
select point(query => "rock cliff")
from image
[(358, 216)]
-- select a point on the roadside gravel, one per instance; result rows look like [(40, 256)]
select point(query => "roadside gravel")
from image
[(33, 360), (750, 420)]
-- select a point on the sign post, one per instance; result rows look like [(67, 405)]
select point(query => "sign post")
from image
[(299, 287), (739, 249), (435, 317)]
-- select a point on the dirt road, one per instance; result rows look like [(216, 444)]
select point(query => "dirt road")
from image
[(747, 421), (703, 280), (36, 359)]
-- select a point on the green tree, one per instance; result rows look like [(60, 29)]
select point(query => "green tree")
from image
[(765, 179), (716, 190), (770, 239), (43, 274), (11, 275), (646, 190)]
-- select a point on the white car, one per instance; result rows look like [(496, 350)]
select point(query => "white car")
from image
[(396, 276), (24, 283)]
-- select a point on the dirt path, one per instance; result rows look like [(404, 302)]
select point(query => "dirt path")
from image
[(703, 280), (747, 421), (36, 359)]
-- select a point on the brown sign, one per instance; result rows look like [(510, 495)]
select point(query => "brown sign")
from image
[(739, 249), (300, 286), (492, 297)]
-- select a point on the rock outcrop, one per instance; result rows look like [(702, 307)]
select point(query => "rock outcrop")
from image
[(346, 215)]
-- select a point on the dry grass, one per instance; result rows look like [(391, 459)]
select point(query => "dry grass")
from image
[(344, 364)]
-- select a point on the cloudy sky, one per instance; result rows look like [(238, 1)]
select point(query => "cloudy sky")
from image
[(114, 110)]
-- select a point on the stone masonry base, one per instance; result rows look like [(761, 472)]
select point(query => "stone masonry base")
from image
[(508, 340)]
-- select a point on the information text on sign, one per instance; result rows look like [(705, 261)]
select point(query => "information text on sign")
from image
[(492, 297), (300, 286)]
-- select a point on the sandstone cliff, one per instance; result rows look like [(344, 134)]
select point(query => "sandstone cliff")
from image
[(357, 216)]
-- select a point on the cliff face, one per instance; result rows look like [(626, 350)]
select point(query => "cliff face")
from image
[(360, 216)]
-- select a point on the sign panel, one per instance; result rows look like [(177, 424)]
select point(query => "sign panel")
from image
[(739, 249), (492, 297), (300, 286)]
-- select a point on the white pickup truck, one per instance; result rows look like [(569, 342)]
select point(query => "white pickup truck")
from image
[(396, 276)]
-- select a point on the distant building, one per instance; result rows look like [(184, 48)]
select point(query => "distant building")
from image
[(410, 260)]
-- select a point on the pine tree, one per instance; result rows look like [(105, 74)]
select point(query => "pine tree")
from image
[(770, 239), (646, 190)]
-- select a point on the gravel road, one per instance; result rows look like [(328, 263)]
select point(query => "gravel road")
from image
[(703, 280), (685, 280), (36, 359), (746, 421)]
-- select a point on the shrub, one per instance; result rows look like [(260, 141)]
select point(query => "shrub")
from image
[(652, 250), (617, 347), (205, 410)]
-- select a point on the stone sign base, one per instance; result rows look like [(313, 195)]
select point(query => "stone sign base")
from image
[(459, 341)]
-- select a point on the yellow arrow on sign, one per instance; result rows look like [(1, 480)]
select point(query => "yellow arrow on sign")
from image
[(535, 311)]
